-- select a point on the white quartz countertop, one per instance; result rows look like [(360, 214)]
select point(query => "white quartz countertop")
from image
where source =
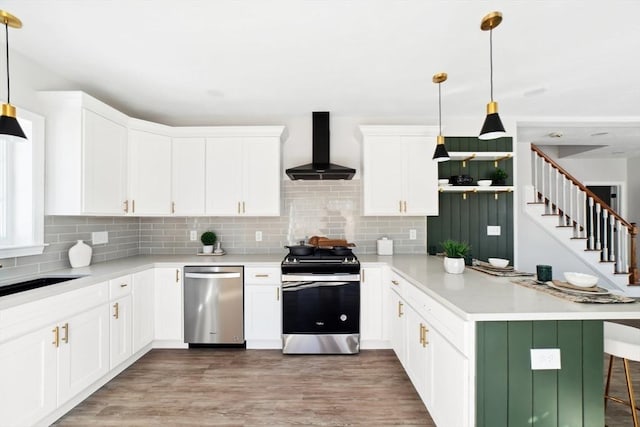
[(472, 295)]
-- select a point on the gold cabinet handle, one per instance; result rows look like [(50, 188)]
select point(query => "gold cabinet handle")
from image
[(400, 313), (65, 338), (126, 206), (362, 274), (405, 206), (238, 207), (395, 282), (277, 294), (173, 207), (56, 336), (177, 275), (123, 285), (400, 206), (133, 206), (116, 313), (243, 211), (261, 275), (422, 334)]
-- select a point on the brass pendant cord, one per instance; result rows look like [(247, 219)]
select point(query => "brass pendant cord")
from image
[(491, 61), (439, 110), (6, 38)]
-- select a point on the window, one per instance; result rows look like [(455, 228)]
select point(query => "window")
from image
[(22, 190)]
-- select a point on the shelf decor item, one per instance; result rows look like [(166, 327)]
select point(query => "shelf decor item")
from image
[(208, 239), (492, 127), (455, 252), (80, 254), (9, 127), (440, 155), (499, 177)]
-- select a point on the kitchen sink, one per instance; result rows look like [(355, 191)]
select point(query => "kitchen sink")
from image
[(33, 284)]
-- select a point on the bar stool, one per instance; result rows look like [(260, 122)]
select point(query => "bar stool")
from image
[(624, 342)]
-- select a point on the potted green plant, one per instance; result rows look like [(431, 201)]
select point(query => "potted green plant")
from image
[(499, 177), (455, 252), (208, 239)]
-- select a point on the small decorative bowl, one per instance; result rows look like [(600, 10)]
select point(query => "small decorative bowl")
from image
[(580, 279), (484, 182), (443, 181), (499, 262)]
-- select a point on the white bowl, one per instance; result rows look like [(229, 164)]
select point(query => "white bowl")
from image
[(581, 279), (443, 181), (484, 183), (499, 262)]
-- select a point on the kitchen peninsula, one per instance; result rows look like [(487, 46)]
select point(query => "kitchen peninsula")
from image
[(464, 340)]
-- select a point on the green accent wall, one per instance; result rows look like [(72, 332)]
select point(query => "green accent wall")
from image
[(467, 219), (509, 393)]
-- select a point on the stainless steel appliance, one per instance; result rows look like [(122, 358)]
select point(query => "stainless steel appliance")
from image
[(214, 305), (321, 303)]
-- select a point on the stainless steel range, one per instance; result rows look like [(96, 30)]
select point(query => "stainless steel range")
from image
[(321, 302)]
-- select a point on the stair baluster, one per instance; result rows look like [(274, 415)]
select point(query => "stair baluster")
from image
[(604, 255)]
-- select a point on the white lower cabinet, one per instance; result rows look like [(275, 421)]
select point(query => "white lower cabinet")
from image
[(43, 369), (263, 308), (419, 358), (168, 306), (373, 331), (142, 297), (120, 331)]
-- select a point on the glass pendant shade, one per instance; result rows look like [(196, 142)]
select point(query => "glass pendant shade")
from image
[(441, 154)]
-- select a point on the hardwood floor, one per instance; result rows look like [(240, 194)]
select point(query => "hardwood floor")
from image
[(254, 388), (264, 387)]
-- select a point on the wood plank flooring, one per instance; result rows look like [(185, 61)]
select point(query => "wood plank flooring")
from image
[(255, 388)]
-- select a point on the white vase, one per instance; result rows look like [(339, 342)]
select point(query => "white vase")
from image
[(80, 254), (453, 265), (207, 249)]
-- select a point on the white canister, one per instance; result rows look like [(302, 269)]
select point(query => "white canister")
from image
[(80, 254), (385, 246)]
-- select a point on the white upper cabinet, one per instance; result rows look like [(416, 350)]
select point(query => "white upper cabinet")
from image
[(149, 173), (243, 174), (399, 177), (86, 156), (187, 176)]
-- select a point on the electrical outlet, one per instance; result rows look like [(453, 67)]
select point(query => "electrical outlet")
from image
[(193, 235), (545, 358), (493, 230), (258, 236), (413, 234), (98, 237)]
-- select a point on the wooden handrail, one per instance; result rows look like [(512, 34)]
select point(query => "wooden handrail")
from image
[(581, 186)]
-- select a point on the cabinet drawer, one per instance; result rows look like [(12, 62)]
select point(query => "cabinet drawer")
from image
[(119, 287), (397, 283), (262, 275)]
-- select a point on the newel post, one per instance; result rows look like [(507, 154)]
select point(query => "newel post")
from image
[(633, 266)]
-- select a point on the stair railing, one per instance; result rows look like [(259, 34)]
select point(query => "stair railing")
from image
[(591, 219)]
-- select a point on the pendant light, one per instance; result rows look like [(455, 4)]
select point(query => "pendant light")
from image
[(440, 155), (10, 129), (492, 127)]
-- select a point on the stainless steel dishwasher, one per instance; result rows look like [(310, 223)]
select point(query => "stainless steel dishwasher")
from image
[(213, 305)]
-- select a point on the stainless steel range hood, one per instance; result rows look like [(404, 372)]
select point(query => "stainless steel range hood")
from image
[(320, 168)]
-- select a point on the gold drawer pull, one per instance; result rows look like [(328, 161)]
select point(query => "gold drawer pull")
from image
[(65, 338), (261, 275), (177, 275), (123, 285), (126, 206), (277, 294), (400, 313), (56, 336), (116, 314), (395, 282)]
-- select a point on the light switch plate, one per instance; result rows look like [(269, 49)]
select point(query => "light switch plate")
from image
[(98, 237), (413, 234), (493, 230), (545, 358), (193, 235), (258, 236)]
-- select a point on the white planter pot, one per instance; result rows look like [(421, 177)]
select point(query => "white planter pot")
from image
[(207, 249), (453, 265)]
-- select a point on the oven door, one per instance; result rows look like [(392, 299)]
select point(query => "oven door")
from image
[(321, 314)]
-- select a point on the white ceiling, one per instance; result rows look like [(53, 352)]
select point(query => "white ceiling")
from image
[(198, 62)]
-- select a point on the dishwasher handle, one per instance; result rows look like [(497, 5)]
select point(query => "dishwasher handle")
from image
[(212, 275)]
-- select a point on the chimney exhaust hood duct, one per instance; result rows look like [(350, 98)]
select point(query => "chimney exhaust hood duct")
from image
[(320, 168)]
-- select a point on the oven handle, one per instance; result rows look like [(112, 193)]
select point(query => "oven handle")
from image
[(320, 277), (297, 286)]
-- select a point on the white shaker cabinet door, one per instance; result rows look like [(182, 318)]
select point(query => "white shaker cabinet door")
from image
[(149, 173), (28, 373), (142, 310), (383, 176), (372, 307), (188, 176), (224, 176), (261, 176), (421, 176), (396, 309), (120, 328), (263, 316), (83, 355), (168, 305), (418, 356), (104, 169)]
